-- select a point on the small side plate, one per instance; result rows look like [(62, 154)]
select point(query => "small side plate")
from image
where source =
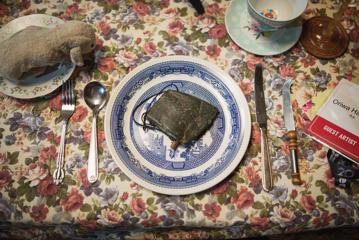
[(244, 32), (34, 86)]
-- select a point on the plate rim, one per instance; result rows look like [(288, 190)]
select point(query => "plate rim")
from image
[(273, 53), (48, 82), (245, 124)]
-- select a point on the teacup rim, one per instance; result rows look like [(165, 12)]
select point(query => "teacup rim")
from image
[(278, 21)]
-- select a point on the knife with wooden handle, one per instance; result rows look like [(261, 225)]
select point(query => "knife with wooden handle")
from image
[(292, 133), (261, 115)]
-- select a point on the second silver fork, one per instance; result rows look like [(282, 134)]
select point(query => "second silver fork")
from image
[(68, 101)]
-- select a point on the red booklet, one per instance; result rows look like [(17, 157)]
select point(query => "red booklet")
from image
[(336, 124)]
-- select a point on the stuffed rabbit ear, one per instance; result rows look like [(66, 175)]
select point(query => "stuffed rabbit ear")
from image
[(76, 56), (78, 46)]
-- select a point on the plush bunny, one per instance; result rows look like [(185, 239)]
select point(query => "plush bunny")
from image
[(37, 47)]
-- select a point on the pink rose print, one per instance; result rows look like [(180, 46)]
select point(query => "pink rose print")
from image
[(283, 216), (212, 211), (140, 8), (3, 158), (104, 27), (88, 224), (80, 114), (153, 220), (82, 178), (55, 103), (39, 212), (246, 87), (48, 153), (175, 27), (34, 173), (164, 3), (5, 178), (256, 134), (4, 10), (71, 10), (244, 198), (150, 48), (252, 176), (308, 203), (218, 31), (221, 188), (52, 138), (99, 44), (137, 205), (287, 71), (73, 201), (127, 58), (106, 64), (252, 61), (329, 178), (307, 106), (139, 40), (47, 187), (261, 223), (212, 8), (124, 196), (213, 50), (100, 136), (110, 216), (322, 221), (294, 193), (308, 61)]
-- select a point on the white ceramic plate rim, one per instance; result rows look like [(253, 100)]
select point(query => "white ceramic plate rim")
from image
[(245, 125), (48, 85)]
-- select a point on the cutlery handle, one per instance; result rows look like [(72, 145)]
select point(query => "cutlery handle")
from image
[(58, 174), (92, 168), (267, 179), (293, 145)]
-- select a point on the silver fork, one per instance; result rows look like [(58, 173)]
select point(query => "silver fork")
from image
[(67, 109)]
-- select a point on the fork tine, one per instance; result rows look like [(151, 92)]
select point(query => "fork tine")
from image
[(69, 91), (72, 92), (63, 92)]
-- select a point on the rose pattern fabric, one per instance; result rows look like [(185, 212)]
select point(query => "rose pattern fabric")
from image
[(130, 33)]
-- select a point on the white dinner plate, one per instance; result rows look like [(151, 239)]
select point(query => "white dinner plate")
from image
[(33, 87), (146, 156)]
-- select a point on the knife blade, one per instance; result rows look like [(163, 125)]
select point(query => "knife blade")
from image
[(261, 116), (292, 133)]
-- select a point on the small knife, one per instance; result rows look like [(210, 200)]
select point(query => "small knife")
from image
[(292, 134), (261, 115)]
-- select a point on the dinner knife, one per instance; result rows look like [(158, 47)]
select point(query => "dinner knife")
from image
[(261, 115), (292, 133)]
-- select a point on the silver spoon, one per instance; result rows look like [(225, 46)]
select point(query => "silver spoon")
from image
[(96, 96)]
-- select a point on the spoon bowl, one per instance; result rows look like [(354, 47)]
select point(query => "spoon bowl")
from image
[(95, 95)]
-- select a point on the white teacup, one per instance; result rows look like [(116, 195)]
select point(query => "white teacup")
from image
[(275, 14)]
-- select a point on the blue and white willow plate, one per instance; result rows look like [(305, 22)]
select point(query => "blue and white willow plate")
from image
[(146, 156)]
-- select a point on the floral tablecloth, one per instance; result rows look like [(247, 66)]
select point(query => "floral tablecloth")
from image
[(130, 33)]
